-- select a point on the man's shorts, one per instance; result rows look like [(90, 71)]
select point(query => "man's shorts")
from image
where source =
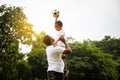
[(53, 75)]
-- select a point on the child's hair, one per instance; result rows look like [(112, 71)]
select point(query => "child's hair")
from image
[(59, 23)]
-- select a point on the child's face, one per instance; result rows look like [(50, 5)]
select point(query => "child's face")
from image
[(58, 27)]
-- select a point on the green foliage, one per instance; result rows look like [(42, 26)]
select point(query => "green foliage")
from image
[(23, 70), (13, 29), (38, 42), (39, 65), (13, 24), (109, 45), (91, 60), (37, 58), (88, 63)]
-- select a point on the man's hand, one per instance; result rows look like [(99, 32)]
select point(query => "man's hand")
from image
[(68, 49)]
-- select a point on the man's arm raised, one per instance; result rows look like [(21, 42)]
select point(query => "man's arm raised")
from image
[(68, 49)]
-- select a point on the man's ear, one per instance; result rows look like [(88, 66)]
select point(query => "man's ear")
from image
[(52, 40)]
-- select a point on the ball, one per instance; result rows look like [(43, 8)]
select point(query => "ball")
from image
[(55, 13)]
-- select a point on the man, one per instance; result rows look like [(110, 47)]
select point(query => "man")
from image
[(54, 54)]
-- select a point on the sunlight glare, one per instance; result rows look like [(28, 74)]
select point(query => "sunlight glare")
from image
[(36, 29)]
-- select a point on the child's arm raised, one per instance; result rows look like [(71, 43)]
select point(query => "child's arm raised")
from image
[(56, 18)]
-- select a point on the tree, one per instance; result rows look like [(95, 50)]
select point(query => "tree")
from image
[(37, 58), (70, 39), (109, 45), (13, 29), (23, 70), (89, 63)]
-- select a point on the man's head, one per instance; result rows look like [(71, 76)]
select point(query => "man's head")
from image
[(58, 25), (48, 40)]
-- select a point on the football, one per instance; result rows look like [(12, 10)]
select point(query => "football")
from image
[(55, 13)]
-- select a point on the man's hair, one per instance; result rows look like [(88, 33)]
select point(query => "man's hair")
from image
[(47, 40), (59, 23)]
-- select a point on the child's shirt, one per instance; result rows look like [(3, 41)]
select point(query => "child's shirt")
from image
[(58, 35)]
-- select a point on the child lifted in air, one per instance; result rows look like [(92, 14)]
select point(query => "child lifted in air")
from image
[(60, 34)]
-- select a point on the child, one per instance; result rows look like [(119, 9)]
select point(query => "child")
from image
[(60, 35)]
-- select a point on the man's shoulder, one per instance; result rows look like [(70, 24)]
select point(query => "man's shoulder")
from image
[(49, 47), (56, 47), (53, 47), (59, 48)]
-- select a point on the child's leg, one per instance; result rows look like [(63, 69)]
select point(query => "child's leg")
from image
[(65, 63), (64, 60), (66, 71)]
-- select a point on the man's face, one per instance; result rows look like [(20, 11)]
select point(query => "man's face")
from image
[(52, 40)]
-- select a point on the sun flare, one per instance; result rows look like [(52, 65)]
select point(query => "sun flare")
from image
[(36, 29)]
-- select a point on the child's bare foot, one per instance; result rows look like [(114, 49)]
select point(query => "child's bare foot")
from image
[(66, 72)]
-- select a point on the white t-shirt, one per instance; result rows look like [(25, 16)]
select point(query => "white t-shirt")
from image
[(58, 35), (55, 62)]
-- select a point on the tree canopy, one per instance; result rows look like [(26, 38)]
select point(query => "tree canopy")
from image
[(90, 60), (13, 29)]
